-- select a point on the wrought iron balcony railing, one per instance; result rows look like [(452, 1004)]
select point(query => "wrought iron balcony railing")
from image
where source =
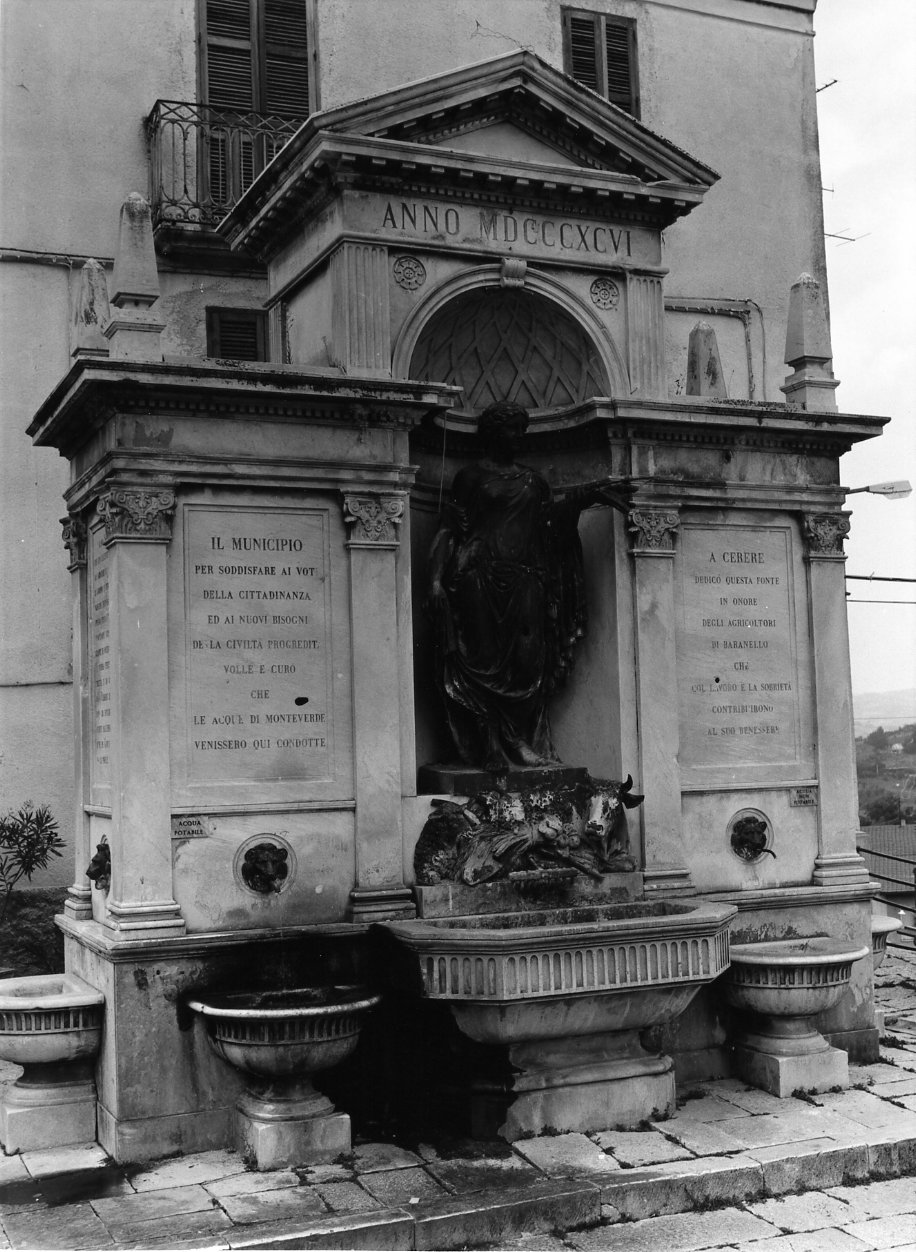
[(203, 158)]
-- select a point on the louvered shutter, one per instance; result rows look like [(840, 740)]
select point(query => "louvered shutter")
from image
[(600, 53), (285, 87), (237, 334), (618, 40), (583, 50), (230, 54)]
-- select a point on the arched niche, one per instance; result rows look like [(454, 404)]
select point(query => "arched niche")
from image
[(534, 344)]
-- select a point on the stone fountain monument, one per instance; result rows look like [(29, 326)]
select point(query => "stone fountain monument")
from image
[(276, 683)]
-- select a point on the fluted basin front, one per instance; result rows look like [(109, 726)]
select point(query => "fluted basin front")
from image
[(280, 1039), (273, 1034), (47, 1019), (789, 978), (568, 991)]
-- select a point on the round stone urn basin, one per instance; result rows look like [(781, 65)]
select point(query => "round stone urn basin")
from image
[(790, 977), (49, 1019), (881, 930), (273, 1034)]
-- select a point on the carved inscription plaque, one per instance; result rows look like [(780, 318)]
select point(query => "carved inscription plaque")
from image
[(258, 670), (738, 673), (100, 668)]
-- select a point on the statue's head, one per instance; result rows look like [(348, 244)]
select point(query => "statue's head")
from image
[(503, 423)]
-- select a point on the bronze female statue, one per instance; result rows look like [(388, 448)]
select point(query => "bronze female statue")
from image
[(507, 598)]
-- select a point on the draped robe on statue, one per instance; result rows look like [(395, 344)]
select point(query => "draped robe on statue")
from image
[(512, 609)]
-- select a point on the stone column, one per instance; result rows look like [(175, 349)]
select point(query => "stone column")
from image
[(374, 519), (78, 904), (652, 547), (361, 322), (138, 526), (646, 335), (838, 810)]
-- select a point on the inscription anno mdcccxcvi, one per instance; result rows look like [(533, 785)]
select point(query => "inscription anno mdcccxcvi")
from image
[(496, 227)]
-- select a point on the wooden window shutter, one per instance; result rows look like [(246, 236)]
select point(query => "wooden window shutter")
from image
[(286, 58), (237, 334), (229, 42), (600, 53)]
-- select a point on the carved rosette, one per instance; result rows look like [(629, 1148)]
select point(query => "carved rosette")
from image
[(129, 513), (409, 272), (75, 535), (825, 534), (654, 531), (373, 520), (605, 293)]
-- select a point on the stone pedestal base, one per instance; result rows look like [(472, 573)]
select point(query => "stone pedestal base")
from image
[(36, 1114), (272, 1132), (595, 1082), (783, 1075)]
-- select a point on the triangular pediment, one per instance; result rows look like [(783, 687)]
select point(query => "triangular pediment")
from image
[(513, 122)]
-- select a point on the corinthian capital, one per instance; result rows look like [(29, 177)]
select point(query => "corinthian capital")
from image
[(653, 530), (825, 534), (373, 520), (134, 514)]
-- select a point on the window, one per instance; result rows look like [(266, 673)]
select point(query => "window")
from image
[(256, 62), (237, 334), (599, 51)]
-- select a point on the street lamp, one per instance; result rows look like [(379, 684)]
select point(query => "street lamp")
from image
[(891, 491)]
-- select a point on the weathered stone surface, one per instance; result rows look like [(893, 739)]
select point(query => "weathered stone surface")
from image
[(63, 1160), (491, 1216), (878, 1199), (465, 1177), (804, 1212), (885, 1232), (346, 1197), (373, 1232), (636, 1147), (152, 1206), (369, 1158), (244, 1184), (703, 1138), (287, 1204), (566, 1155), (71, 1226), (203, 1167), (676, 1234), (402, 1186)]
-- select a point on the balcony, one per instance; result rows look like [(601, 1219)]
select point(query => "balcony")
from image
[(202, 160)]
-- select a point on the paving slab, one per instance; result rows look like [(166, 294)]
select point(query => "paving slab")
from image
[(244, 1184), (751, 1100), (287, 1204), (72, 1226), (401, 1187), (700, 1138), (153, 1206), (347, 1197), (464, 1177), (886, 1232), (64, 1160), (704, 1108), (168, 1232), (832, 1240), (893, 1088), (879, 1199), (181, 1171), (810, 1211), (369, 1158), (492, 1217), (11, 1168), (568, 1155), (683, 1233), (640, 1147), (378, 1232)]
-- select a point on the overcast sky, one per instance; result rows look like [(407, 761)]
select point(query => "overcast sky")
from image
[(868, 158)]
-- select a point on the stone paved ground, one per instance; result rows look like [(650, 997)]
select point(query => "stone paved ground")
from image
[(735, 1169)]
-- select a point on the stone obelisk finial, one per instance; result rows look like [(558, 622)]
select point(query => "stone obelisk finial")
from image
[(704, 366), (812, 386), (134, 331)]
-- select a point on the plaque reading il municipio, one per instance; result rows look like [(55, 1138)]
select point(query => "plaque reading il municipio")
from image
[(737, 652), (257, 662)]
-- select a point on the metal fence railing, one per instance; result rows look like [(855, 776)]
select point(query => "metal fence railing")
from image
[(203, 159)]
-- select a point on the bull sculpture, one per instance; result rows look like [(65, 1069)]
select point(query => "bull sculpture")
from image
[(581, 826)]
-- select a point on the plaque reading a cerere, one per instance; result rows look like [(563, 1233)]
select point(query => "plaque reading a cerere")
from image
[(258, 687), (738, 673)]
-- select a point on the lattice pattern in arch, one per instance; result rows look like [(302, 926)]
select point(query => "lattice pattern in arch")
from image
[(509, 345)]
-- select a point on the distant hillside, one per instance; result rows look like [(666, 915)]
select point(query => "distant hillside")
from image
[(890, 709)]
